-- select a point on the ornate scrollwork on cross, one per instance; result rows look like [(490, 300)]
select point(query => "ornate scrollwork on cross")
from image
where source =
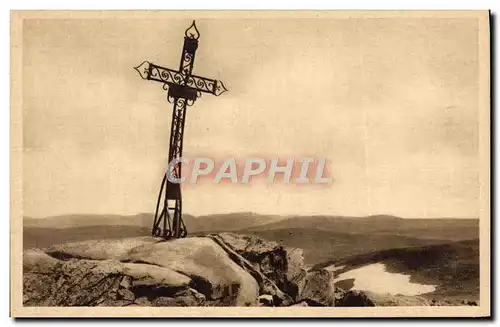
[(183, 89), (168, 76)]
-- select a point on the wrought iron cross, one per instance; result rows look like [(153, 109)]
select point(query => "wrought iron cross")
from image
[(183, 90)]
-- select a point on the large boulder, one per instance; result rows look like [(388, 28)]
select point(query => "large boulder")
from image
[(355, 298), (319, 287), (267, 287), (283, 266), (146, 272), (211, 270), (80, 282), (219, 269)]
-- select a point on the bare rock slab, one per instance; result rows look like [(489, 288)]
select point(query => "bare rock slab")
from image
[(222, 269), (80, 282), (211, 270)]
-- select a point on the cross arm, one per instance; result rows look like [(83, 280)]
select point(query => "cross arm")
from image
[(169, 76)]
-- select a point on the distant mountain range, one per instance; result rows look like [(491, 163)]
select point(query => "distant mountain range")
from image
[(443, 228), (226, 222), (320, 236)]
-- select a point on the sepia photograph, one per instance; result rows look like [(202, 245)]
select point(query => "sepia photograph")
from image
[(250, 163)]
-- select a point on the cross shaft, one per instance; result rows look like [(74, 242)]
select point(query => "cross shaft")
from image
[(183, 90)]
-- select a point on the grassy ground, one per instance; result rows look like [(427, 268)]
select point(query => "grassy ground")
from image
[(320, 246)]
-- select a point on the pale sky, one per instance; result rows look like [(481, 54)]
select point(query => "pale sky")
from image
[(391, 103)]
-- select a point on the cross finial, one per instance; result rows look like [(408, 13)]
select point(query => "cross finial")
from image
[(192, 32)]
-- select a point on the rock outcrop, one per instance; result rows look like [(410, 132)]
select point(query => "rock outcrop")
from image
[(319, 287), (211, 270), (224, 269), (283, 266), (76, 282), (148, 271)]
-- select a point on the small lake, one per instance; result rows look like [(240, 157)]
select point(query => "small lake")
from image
[(376, 278)]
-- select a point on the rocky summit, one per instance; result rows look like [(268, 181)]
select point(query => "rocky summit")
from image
[(224, 269)]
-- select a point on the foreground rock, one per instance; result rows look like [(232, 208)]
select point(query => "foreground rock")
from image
[(283, 266), (267, 287), (371, 299), (148, 271), (319, 287), (216, 270), (212, 272), (75, 282)]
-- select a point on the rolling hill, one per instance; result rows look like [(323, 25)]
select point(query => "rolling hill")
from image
[(219, 222), (35, 237), (321, 245), (439, 229)]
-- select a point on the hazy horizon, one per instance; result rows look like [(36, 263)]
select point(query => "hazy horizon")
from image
[(392, 103), (240, 212)]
